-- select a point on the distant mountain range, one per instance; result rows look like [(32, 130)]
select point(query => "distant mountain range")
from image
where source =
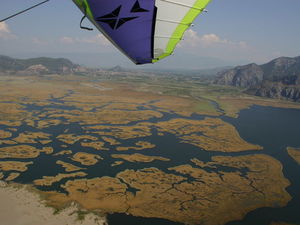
[(46, 65), (42, 65), (279, 78)]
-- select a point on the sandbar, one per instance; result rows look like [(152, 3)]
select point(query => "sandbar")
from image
[(21, 205)]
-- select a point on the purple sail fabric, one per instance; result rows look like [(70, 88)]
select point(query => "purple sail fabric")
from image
[(129, 24)]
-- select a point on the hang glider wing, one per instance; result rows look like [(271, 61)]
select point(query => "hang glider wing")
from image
[(144, 30)]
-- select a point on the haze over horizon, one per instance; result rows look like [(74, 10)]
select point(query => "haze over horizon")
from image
[(231, 33), (208, 135)]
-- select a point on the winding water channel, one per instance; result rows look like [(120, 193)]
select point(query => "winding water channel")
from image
[(273, 128)]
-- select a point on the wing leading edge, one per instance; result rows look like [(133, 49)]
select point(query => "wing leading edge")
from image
[(146, 31)]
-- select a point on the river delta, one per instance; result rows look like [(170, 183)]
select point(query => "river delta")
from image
[(130, 154)]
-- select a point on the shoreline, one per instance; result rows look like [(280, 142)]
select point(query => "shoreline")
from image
[(19, 205)]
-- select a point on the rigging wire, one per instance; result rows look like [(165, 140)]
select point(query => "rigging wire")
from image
[(25, 10), (85, 16)]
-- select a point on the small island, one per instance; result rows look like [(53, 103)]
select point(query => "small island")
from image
[(138, 157), (5, 134), (49, 180), (14, 165), (32, 137), (72, 138), (19, 151), (68, 166), (210, 134), (98, 145), (294, 153), (110, 140), (86, 159), (63, 152), (140, 145), (12, 176)]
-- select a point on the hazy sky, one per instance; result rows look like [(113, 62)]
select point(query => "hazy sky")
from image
[(232, 32)]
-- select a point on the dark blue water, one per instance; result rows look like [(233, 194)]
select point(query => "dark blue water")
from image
[(273, 128)]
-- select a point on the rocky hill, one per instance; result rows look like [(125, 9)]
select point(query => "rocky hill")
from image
[(279, 78), (42, 65)]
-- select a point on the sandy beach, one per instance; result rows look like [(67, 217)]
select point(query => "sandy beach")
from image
[(19, 206)]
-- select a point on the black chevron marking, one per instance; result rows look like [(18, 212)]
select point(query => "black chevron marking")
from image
[(137, 8), (124, 20)]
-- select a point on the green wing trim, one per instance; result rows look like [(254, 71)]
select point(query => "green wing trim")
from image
[(195, 11), (82, 4)]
